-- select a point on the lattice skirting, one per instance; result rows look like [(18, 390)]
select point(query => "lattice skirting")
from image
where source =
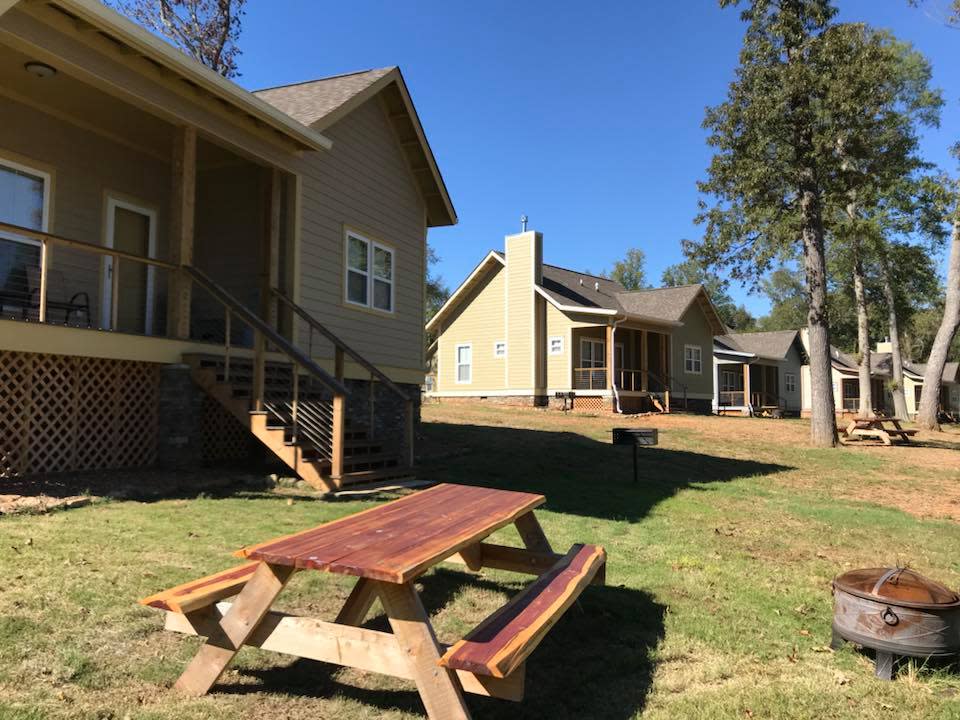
[(223, 437), (60, 413), (592, 403)]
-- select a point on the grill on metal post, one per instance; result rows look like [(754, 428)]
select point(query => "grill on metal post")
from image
[(635, 437)]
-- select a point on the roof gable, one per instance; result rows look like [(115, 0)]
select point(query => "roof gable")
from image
[(773, 345), (321, 103), (491, 261)]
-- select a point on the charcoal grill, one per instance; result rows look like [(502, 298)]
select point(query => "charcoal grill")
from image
[(635, 437), (896, 612)]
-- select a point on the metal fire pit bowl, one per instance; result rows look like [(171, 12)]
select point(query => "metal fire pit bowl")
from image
[(896, 612)]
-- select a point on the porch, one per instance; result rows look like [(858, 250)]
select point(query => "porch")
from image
[(637, 369), (151, 217), (748, 388), (850, 395)]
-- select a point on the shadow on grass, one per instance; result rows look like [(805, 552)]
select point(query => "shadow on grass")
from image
[(577, 474), (597, 662)]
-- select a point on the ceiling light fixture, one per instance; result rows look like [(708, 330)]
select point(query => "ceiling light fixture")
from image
[(39, 69)]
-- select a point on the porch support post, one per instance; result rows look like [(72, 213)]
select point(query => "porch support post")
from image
[(182, 221), (746, 384), (644, 365), (608, 351), (270, 247)]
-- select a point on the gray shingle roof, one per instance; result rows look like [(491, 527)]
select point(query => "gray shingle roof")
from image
[(773, 345), (568, 287), (668, 303), (950, 370), (313, 100)]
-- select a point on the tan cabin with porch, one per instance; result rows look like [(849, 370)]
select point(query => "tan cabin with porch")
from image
[(186, 266), (519, 330), (759, 373)]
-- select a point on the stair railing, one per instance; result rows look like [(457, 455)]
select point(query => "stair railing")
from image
[(341, 349), (264, 334)]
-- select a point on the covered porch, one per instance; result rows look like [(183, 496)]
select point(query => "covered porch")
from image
[(747, 387), (637, 368)]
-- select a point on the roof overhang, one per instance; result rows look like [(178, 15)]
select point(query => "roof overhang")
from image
[(94, 16), (473, 279), (573, 308), (717, 326)]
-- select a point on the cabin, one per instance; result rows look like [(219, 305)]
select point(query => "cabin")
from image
[(758, 373), (188, 268), (520, 331), (846, 383)]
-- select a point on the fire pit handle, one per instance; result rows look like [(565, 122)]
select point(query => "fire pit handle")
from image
[(890, 617)]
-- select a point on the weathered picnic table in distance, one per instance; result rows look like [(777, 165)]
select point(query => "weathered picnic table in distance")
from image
[(387, 548), (876, 428)]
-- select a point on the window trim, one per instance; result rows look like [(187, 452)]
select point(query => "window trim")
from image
[(699, 359), (457, 364), (550, 340), (496, 344), (790, 379), (372, 246), (47, 177)]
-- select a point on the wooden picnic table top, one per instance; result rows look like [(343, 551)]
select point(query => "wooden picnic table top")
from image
[(397, 541)]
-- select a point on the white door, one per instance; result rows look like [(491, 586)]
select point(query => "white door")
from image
[(131, 229)]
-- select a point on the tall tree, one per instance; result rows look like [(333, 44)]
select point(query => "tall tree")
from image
[(693, 272), (878, 151), (927, 414), (631, 272), (436, 290), (774, 164), (207, 30), (787, 293)]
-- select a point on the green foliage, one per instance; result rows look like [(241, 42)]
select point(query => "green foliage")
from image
[(693, 272), (631, 271), (437, 291), (788, 300)]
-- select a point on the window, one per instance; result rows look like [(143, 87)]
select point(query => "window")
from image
[(591, 353), (556, 345), (464, 363), (500, 349), (790, 382), (24, 201), (692, 359), (728, 381), (370, 273)]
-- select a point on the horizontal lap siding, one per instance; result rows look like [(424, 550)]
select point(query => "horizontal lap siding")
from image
[(479, 323), (695, 331), (558, 366), (792, 365), (84, 166), (363, 183)]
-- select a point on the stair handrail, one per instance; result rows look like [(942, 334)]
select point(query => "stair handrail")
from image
[(343, 349), (257, 323), (340, 344)]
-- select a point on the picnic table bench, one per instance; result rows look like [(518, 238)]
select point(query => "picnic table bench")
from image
[(881, 428), (387, 548)]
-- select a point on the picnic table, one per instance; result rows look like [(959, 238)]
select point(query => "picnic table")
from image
[(387, 548), (881, 428)]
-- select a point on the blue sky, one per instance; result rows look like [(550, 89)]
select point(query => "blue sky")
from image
[(588, 121)]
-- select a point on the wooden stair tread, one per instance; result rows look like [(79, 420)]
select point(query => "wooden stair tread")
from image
[(501, 643), (204, 591)]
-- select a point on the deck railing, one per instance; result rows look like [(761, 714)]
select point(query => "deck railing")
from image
[(593, 378), (731, 398)]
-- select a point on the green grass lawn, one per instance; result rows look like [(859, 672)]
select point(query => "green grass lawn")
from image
[(717, 602)]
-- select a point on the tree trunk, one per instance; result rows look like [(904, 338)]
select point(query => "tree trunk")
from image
[(863, 333), (893, 327), (933, 378), (823, 417)]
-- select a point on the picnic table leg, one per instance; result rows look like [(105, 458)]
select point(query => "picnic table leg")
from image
[(532, 534), (439, 687), (358, 604), (235, 628)]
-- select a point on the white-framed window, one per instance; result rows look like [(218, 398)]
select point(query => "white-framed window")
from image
[(369, 273), (500, 349), (591, 353), (692, 359), (464, 363), (24, 201), (728, 381), (790, 382), (556, 345)]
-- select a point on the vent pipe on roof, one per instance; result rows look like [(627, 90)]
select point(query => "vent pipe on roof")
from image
[(523, 223), (596, 286), (581, 282)]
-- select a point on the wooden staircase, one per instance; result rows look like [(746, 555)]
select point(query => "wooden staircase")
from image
[(305, 446)]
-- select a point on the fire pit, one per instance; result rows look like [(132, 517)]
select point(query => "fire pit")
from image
[(896, 612)]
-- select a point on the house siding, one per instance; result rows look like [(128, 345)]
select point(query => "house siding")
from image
[(523, 253), (695, 331), (479, 323), (792, 364), (364, 183)]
